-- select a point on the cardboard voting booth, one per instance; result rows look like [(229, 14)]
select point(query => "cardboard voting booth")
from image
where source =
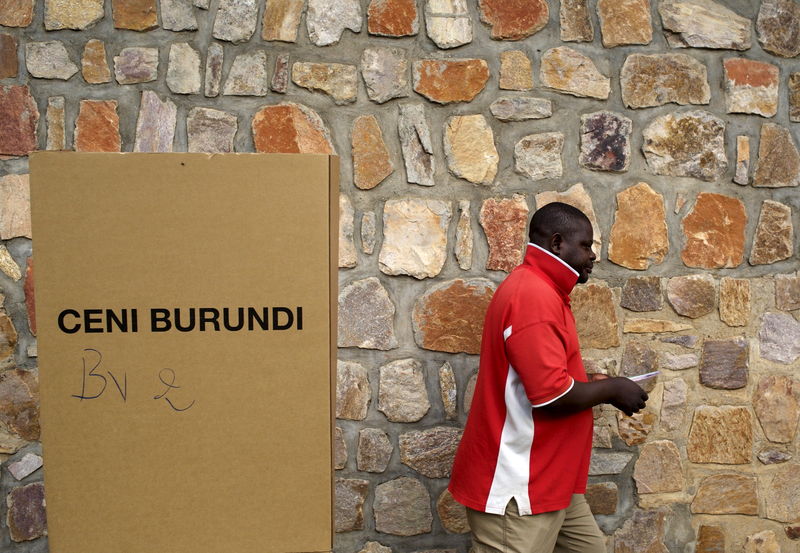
[(186, 310)]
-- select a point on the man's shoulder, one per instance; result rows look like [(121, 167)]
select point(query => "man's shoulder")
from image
[(523, 292)]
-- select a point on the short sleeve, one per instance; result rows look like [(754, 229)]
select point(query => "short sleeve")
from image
[(538, 355)]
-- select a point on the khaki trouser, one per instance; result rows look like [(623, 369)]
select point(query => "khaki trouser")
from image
[(571, 530)]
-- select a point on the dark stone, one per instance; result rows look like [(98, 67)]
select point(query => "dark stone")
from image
[(724, 364), (639, 358), (793, 532), (605, 141), (27, 519), (642, 294), (710, 539), (686, 341)]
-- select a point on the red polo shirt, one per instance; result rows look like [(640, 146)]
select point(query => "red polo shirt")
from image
[(530, 357)]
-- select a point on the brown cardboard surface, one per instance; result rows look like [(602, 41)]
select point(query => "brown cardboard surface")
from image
[(238, 457)]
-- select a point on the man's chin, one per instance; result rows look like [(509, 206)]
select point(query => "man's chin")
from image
[(583, 278)]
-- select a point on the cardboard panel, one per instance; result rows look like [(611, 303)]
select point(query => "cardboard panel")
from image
[(186, 312)]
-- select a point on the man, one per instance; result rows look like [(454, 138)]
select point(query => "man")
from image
[(523, 462)]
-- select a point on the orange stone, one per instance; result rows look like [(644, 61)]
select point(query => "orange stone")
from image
[(714, 232), (16, 13), (97, 127), (9, 67), (514, 19), (446, 81), (94, 64), (625, 22), (639, 233), (371, 161), (290, 128), (18, 119), (449, 317), (750, 72), (393, 17), (137, 15), (281, 20), (504, 221)]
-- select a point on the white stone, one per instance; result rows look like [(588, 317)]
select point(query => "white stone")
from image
[(414, 237), (248, 75), (49, 60), (183, 71), (236, 20), (326, 20)]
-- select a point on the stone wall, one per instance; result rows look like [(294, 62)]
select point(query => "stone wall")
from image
[(669, 122)]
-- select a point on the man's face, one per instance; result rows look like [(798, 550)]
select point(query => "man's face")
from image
[(576, 251)]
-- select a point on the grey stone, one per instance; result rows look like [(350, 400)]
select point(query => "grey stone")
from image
[(155, 127), (686, 144), (352, 391), (521, 108), (639, 358), (613, 462), (470, 392), (248, 75), (183, 71), (385, 73), (724, 364), (778, 162), (366, 316), (430, 452), (402, 507), (77, 15), (643, 532), (658, 468), (178, 15), (678, 362), (773, 456), (374, 450), (605, 141), (778, 27), (692, 295), (368, 232), (787, 292), (448, 23), (326, 20), (415, 140), (136, 65), (280, 75), (673, 404), (210, 130), (215, 56), (779, 338), (26, 466), (402, 394), (350, 497), (538, 156), (464, 238), (448, 391), (703, 24), (49, 60), (642, 294), (375, 547), (658, 79), (236, 20), (686, 340)]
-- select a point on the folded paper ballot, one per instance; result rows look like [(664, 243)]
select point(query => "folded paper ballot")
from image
[(645, 376)]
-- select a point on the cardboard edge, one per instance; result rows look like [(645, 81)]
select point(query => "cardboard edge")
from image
[(333, 294)]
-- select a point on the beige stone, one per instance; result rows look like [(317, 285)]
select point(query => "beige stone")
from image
[(576, 196), (449, 316), (56, 132), (751, 86), (703, 24), (658, 469), (416, 144), (778, 159), (372, 162), (452, 514), (576, 25), (643, 532), (347, 248), (72, 14), (8, 265), (776, 402), (624, 22), (774, 238), (430, 452), (402, 393), (470, 150), (538, 156), (734, 301), (653, 326), (448, 23), (464, 238), (504, 221), (762, 542), (721, 435), (326, 20), (414, 237), (673, 404), (448, 391), (639, 233), (570, 72), (94, 65), (782, 494), (787, 292), (248, 76), (726, 494), (658, 79), (742, 175), (339, 81), (15, 206), (516, 72), (595, 316), (634, 429), (692, 295), (714, 231), (352, 391)]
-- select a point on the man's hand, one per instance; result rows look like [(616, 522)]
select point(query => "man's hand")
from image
[(622, 393), (628, 395)]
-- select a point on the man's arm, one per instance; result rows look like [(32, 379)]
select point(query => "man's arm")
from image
[(622, 393)]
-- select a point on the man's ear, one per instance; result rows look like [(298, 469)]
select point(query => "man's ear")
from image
[(555, 243)]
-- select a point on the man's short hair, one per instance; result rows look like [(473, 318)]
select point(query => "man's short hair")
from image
[(556, 217)]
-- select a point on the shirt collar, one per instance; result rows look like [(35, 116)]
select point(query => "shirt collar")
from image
[(554, 269)]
